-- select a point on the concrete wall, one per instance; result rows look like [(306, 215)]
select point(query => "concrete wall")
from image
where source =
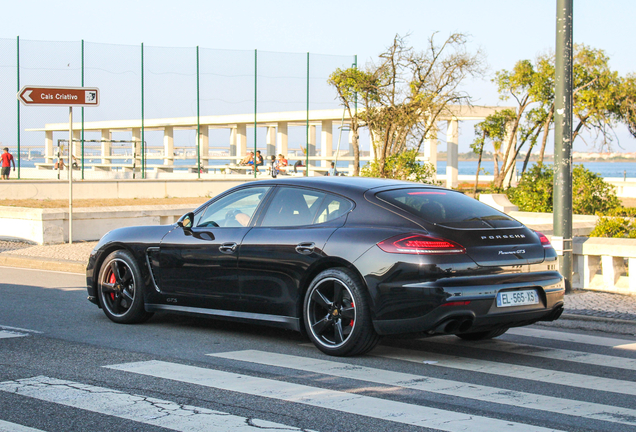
[(109, 189)]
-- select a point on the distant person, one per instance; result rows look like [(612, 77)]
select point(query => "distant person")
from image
[(273, 168), (297, 164), (248, 159), (332, 171), (282, 164), (258, 160), (7, 159), (59, 165)]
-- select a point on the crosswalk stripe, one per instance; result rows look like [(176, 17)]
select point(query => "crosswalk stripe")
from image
[(5, 334), (324, 398), (509, 370), (141, 409), (542, 352), (573, 337), (440, 386), (14, 427)]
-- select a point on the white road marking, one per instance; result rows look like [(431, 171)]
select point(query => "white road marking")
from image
[(323, 398), (141, 409), (440, 386), (572, 337), (19, 329), (5, 334), (14, 427), (509, 370), (543, 352)]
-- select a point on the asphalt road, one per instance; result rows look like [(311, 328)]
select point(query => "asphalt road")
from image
[(65, 367)]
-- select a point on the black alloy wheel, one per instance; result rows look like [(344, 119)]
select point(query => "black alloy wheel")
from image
[(120, 289), (336, 314)]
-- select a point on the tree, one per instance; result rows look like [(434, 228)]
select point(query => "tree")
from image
[(600, 99), (406, 92), (350, 83), (493, 128)]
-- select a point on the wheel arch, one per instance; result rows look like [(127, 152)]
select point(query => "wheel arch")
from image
[(105, 252), (310, 275)]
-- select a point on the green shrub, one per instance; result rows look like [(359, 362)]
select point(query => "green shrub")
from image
[(402, 166), (614, 227), (590, 193), (534, 191)]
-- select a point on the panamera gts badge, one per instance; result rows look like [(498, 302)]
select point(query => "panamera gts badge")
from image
[(520, 251)]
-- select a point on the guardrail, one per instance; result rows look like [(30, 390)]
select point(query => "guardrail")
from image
[(605, 264)]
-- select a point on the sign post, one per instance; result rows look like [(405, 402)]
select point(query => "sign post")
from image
[(62, 96)]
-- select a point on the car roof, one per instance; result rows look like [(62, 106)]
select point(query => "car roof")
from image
[(344, 184)]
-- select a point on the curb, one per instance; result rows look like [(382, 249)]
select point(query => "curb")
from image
[(67, 266), (577, 317)]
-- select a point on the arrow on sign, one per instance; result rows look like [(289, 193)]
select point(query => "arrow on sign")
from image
[(27, 95)]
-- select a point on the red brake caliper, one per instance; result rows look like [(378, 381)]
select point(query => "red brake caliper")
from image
[(352, 320), (112, 280)]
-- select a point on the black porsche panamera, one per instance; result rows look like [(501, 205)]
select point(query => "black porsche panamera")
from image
[(346, 260)]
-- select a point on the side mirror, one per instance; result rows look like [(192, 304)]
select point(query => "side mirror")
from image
[(186, 221)]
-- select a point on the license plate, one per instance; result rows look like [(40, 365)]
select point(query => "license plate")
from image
[(517, 298)]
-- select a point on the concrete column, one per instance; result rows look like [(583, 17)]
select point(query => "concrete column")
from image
[(77, 144), (430, 147), (204, 144), (591, 264), (311, 140), (271, 141), (136, 137), (281, 139), (168, 145), (106, 146), (241, 140), (326, 142), (452, 153), (49, 154), (233, 136), (613, 267)]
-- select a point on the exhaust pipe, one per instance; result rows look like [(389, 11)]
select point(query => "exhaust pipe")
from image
[(555, 314), (447, 326), (465, 325)]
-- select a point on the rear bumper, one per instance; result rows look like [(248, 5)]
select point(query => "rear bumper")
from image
[(474, 308)]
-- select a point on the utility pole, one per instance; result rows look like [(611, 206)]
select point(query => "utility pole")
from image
[(562, 222)]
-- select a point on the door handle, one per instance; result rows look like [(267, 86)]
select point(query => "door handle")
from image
[(305, 248), (228, 248)]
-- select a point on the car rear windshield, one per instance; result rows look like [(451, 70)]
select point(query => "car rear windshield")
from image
[(447, 208)]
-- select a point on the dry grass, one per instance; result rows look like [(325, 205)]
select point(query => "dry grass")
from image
[(35, 203)]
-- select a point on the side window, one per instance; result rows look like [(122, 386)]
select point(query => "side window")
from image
[(332, 208), (233, 210), (297, 207)]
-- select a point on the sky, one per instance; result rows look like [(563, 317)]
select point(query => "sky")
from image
[(505, 30)]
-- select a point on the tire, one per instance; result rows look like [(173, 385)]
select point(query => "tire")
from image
[(477, 336), (336, 314), (120, 289)]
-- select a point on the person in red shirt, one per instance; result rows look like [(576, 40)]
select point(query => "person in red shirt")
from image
[(7, 159)]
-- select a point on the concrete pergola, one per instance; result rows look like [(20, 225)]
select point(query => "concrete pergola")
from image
[(277, 124)]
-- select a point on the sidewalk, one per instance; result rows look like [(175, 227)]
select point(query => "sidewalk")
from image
[(73, 258)]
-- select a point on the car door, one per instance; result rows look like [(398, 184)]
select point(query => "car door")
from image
[(288, 238), (201, 261)]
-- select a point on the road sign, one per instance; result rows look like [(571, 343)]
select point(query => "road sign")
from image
[(63, 96)]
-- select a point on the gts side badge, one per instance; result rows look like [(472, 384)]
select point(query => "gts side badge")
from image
[(520, 251)]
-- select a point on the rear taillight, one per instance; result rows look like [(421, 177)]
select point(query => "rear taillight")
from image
[(544, 240), (420, 245)]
